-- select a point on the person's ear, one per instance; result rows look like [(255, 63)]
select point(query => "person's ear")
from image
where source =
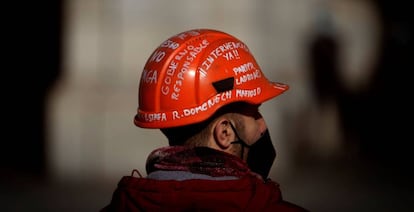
[(223, 133)]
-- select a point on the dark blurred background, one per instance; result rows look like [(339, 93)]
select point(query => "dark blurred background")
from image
[(33, 62), (370, 172)]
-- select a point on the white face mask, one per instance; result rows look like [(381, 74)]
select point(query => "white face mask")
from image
[(261, 154)]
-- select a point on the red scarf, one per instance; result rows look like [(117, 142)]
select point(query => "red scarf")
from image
[(199, 160)]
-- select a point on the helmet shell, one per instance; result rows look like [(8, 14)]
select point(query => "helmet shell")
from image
[(193, 74)]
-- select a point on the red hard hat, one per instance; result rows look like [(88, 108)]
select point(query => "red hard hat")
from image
[(194, 73)]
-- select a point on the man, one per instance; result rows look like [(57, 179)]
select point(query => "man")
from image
[(203, 89)]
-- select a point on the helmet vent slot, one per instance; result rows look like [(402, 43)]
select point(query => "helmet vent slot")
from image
[(224, 85)]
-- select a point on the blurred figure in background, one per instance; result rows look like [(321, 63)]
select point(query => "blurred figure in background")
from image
[(203, 89)]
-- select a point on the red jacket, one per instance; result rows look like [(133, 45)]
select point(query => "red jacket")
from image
[(246, 194), (207, 180)]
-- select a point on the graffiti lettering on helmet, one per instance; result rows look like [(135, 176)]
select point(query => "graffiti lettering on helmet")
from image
[(248, 77), (171, 68), (191, 51), (195, 110), (221, 51), (150, 117), (165, 89), (157, 56), (170, 44), (181, 54), (248, 93), (221, 97), (179, 82), (177, 86), (175, 96), (194, 50), (149, 76), (243, 68), (205, 65), (234, 54), (175, 115)]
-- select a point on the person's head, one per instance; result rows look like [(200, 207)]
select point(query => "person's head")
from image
[(203, 87)]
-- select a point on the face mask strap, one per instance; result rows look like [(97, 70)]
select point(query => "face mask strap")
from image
[(239, 141)]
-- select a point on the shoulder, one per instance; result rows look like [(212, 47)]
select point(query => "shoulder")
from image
[(270, 197)]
